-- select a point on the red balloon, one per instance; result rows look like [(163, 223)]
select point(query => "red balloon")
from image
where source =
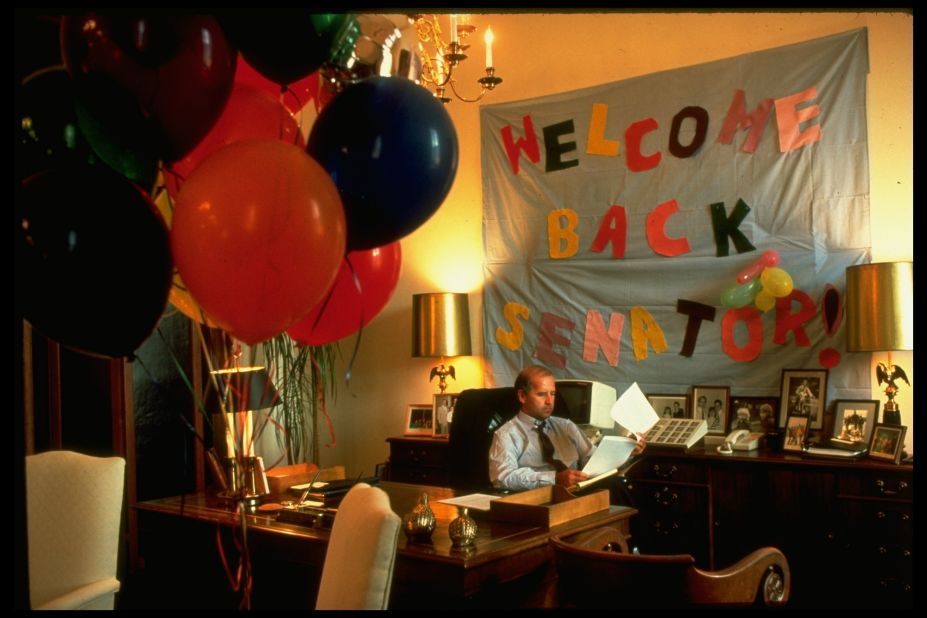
[(295, 95), (167, 76), (258, 234), (249, 114), (351, 304)]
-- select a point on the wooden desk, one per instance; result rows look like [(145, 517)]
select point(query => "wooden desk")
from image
[(509, 564), (846, 527)]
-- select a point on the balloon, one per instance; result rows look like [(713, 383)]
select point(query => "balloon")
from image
[(777, 282), (48, 135), (160, 80), (283, 45), (351, 304), (391, 149), (295, 95), (250, 114), (179, 295), (736, 295), (769, 258), (258, 236), (93, 264), (35, 42), (369, 45), (764, 301)]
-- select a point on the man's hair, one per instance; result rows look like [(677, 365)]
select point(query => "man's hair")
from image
[(527, 375)]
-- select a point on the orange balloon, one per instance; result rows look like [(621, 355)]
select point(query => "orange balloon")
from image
[(178, 295), (258, 235), (249, 114)]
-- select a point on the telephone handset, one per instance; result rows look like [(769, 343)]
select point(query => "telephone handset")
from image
[(741, 440)]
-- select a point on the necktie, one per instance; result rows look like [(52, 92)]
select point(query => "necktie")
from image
[(547, 447)]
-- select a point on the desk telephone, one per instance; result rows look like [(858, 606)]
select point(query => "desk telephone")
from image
[(741, 440)]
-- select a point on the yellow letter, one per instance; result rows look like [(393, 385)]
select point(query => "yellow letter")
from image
[(643, 329), (512, 340), (557, 235), (596, 143)]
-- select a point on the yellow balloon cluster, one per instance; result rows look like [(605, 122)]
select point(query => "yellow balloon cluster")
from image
[(773, 283)]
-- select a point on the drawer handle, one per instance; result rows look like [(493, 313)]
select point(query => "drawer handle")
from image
[(663, 475), (880, 484), (659, 496)]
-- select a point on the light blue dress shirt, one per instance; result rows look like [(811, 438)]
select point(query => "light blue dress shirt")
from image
[(515, 458)]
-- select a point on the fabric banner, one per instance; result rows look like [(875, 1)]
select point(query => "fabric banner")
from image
[(614, 218)]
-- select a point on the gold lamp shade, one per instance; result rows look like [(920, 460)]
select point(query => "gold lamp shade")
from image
[(441, 325), (440, 328), (880, 307)]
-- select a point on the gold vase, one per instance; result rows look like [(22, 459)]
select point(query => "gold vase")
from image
[(419, 523), (463, 529)]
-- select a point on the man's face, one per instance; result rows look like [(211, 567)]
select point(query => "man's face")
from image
[(538, 402)]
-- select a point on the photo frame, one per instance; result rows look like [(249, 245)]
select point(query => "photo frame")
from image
[(796, 432), (763, 411), (419, 419), (443, 410), (670, 406), (887, 443), (803, 392), (853, 422), (712, 403)]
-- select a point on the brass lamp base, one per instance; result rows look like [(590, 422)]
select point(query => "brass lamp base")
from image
[(442, 372)]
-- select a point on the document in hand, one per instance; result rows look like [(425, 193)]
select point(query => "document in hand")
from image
[(633, 412), (611, 454)]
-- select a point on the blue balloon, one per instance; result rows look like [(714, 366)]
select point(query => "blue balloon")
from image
[(391, 149)]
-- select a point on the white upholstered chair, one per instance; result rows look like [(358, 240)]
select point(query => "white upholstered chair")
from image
[(73, 511), (358, 569)]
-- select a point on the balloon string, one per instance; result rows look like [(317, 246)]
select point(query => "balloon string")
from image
[(320, 395), (360, 330), (328, 297)]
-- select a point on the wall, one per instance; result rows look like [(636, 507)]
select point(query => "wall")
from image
[(538, 54)]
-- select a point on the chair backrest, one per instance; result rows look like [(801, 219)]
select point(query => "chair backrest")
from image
[(598, 578), (361, 554), (477, 415), (73, 513)]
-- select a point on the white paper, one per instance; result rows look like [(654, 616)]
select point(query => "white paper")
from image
[(611, 453), (633, 412), (479, 502)]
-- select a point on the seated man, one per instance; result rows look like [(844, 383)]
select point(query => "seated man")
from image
[(533, 448)]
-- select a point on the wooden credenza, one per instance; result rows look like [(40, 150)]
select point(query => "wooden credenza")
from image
[(418, 460), (845, 527)]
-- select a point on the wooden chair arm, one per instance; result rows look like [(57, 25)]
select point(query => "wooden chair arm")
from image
[(762, 575)]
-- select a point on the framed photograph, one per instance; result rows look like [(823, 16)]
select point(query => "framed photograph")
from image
[(796, 431), (419, 420), (763, 414), (853, 421), (803, 394), (670, 406), (887, 442), (712, 403), (443, 406)]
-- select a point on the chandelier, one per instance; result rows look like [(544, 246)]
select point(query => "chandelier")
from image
[(440, 59)]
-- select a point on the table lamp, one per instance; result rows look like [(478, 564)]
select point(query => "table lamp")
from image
[(440, 328), (880, 318), (244, 390)]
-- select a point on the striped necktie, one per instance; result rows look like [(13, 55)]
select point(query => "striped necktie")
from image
[(547, 447)]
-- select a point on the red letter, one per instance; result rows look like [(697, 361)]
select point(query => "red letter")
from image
[(788, 119), (597, 337), (549, 336), (753, 322), (737, 118), (633, 135), (614, 229), (787, 321), (656, 236), (528, 143)]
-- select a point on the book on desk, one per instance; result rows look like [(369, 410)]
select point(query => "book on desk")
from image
[(330, 492)]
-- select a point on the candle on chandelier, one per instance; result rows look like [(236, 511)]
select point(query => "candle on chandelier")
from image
[(488, 38), (453, 28)]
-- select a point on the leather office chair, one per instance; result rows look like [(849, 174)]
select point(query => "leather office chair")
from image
[(598, 571), (361, 554), (73, 512)]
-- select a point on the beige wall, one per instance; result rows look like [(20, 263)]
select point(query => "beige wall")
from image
[(539, 54)]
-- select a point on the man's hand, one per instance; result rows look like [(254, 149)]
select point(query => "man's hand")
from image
[(568, 478), (641, 445)]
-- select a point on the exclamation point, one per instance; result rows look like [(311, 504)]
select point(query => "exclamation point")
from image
[(831, 316)]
